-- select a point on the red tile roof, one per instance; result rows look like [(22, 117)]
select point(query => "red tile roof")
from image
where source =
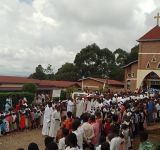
[(110, 82), (115, 82), (152, 35), (14, 79), (129, 64), (41, 83), (60, 84)]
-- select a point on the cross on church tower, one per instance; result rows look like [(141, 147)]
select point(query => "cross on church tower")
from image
[(157, 17)]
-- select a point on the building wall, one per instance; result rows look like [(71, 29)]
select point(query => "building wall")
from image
[(11, 85), (149, 47), (133, 85), (115, 88), (148, 51), (92, 84), (148, 60), (131, 77), (95, 85), (145, 59)]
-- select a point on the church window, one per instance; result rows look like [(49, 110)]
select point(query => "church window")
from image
[(158, 66), (154, 59), (148, 65), (132, 75), (129, 75)]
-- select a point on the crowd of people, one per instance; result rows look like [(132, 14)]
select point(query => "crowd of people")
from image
[(99, 122), (20, 117), (94, 122)]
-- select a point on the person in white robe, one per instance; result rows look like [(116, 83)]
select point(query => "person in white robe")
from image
[(55, 122), (85, 104), (88, 105), (79, 107), (47, 119), (70, 106)]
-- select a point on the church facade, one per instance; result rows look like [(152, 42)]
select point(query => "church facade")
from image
[(144, 73)]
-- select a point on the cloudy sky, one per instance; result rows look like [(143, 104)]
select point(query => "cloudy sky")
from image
[(45, 32)]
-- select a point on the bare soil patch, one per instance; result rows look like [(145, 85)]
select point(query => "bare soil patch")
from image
[(22, 139)]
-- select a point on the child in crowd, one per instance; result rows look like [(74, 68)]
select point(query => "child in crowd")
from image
[(68, 122), (22, 124), (14, 125)]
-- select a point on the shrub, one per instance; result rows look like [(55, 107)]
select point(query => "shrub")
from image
[(63, 95), (30, 87)]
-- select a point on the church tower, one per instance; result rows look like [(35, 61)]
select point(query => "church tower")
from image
[(148, 72)]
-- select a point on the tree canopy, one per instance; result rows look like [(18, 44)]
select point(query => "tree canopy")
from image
[(90, 61), (43, 73), (93, 61), (133, 55), (68, 71)]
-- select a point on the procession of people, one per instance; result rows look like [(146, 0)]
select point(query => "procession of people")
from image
[(101, 121)]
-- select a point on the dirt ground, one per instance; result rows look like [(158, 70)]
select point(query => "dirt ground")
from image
[(13, 141)]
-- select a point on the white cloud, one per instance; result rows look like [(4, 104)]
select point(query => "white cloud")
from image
[(45, 32)]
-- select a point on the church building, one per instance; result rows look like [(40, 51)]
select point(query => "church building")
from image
[(144, 73)]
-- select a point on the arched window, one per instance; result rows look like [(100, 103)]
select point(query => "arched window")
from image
[(158, 66)]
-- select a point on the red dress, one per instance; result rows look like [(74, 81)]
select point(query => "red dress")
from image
[(22, 122), (17, 108)]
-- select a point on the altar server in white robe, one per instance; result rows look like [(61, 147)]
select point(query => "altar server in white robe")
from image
[(80, 104), (88, 104), (55, 122), (47, 119)]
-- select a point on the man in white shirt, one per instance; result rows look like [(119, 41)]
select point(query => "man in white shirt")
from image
[(115, 143), (61, 144), (78, 131)]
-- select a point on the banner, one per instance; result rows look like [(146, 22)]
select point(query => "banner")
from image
[(56, 93)]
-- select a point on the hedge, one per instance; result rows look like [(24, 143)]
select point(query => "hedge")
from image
[(16, 96)]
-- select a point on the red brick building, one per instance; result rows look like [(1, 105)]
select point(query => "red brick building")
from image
[(91, 83)]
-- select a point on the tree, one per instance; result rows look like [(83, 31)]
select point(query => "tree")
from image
[(120, 57), (105, 62), (116, 73), (43, 73), (39, 73), (68, 71), (30, 87), (49, 72), (93, 61), (133, 55)]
